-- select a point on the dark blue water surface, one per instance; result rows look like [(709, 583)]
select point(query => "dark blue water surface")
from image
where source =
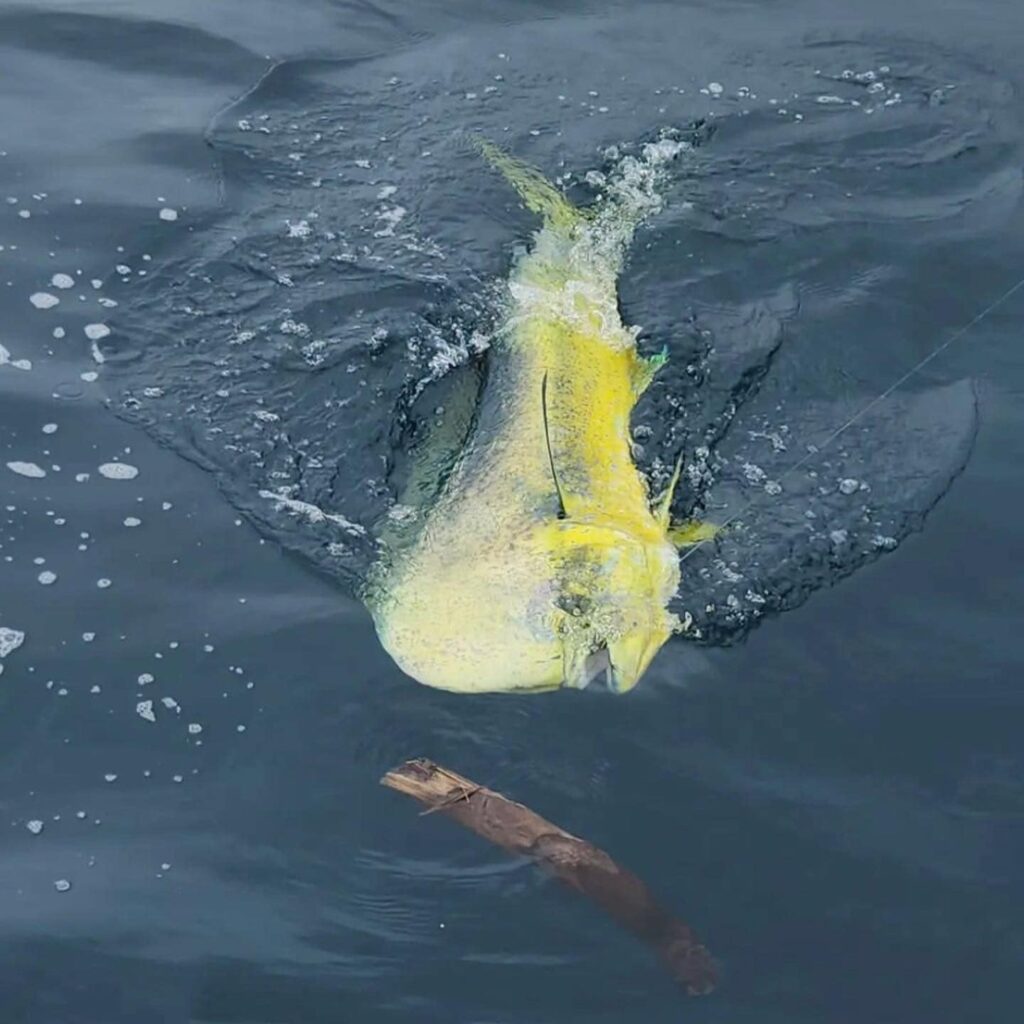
[(243, 246)]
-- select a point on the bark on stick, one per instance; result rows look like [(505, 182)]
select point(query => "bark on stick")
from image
[(575, 862)]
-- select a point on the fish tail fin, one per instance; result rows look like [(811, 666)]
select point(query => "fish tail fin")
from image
[(538, 194)]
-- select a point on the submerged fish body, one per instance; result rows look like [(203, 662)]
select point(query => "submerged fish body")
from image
[(540, 562)]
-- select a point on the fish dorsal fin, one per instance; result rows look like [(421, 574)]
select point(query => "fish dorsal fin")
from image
[(562, 514), (663, 506), (534, 189)]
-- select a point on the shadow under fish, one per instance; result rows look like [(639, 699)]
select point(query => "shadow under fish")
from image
[(527, 552)]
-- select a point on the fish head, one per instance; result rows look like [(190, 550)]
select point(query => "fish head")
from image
[(613, 593), (559, 605)]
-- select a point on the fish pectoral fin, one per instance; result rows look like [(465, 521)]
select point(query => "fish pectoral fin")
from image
[(686, 534), (645, 369), (537, 193), (663, 506)]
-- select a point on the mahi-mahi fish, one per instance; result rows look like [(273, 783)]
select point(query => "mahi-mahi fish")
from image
[(535, 557)]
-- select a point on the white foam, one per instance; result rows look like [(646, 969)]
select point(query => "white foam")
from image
[(43, 300), (312, 513), (169, 214), (96, 332), (10, 640), (392, 217), (62, 281), (118, 471), (29, 469)]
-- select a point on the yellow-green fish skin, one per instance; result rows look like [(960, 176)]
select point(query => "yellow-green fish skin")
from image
[(541, 563)]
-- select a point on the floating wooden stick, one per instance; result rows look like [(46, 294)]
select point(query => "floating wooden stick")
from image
[(577, 863)]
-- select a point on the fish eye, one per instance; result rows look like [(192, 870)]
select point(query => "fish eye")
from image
[(575, 605)]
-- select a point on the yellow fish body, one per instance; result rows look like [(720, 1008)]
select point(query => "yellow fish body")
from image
[(542, 562)]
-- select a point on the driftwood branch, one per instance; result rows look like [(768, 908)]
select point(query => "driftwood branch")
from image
[(575, 862)]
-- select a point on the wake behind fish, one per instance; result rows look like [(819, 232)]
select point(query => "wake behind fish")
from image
[(299, 345)]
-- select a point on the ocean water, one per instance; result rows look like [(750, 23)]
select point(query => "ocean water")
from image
[(244, 251)]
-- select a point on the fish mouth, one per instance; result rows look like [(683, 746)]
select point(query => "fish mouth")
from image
[(597, 664)]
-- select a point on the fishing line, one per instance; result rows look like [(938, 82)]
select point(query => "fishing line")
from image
[(865, 409), (547, 442)]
